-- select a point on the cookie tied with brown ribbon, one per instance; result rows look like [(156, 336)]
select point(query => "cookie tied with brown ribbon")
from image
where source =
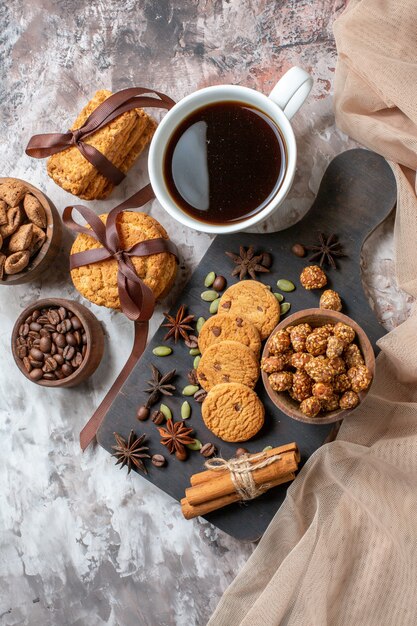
[(106, 245), (105, 140)]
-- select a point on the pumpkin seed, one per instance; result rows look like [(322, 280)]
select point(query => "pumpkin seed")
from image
[(285, 285), (195, 352), (279, 297), (196, 445), (214, 306), (210, 295), (166, 411), (162, 351), (185, 410), (285, 307), (200, 323), (267, 448), (189, 390), (196, 361), (209, 279)]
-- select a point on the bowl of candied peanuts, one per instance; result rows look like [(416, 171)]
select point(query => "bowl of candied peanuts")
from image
[(317, 366)]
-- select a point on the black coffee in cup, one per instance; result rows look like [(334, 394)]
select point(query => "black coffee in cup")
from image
[(224, 162)]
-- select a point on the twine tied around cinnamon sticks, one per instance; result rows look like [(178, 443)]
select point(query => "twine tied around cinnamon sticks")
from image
[(241, 472)]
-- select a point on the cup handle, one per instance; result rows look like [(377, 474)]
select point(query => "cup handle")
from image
[(291, 90)]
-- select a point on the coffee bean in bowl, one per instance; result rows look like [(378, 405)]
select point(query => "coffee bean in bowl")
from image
[(57, 343)]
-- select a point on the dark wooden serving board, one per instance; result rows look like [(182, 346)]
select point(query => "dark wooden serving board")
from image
[(356, 194)]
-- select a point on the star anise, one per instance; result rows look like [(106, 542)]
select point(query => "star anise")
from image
[(130, 452), (159, 385), (175, 436), (178, 325), (247, 263), (326, 250)]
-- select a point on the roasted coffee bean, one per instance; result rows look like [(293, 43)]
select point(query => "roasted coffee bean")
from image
[(59, 340), (50, 327), (44, 333), (84, 350), (59, 374), (36, 374), (29, 319), (65, 326), (84, 338), (62, 312), (70, 339), (142, 413), (49, 376), (53, 349), (33, 334), (66, 369), (53, 316), (27, 364), (77, 336), (25, 330), (36, 354), (69, 353), (240, 451), (21, 352), (35, 343), (35, 326), (50, 364), (34, 363), (208, 450), (36, 314), (158, 460), (42, 320), (77, 360), (158, 418), (76, 324), (60, 350), (191, 342), (192, 377), (21, 341), (58, 358), (200, 395)]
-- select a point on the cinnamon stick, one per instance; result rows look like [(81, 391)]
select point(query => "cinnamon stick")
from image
[(222, 485), (201, 477), (189, 511)]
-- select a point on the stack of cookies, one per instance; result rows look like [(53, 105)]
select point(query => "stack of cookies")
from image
[(121, 141), (230, 344)]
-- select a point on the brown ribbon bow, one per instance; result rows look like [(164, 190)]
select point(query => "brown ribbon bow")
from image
[(136, 299), (41, 146)]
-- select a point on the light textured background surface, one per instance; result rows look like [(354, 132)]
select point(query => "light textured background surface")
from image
[(80, 543)]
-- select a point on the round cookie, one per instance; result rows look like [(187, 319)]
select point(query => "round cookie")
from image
[(227, 362), (98, 281), (252, 300), (233, 412), (223, 327)]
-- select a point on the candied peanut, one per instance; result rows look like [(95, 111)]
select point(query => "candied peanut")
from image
[(280, 342), (338, 364), (299, 335), (330, 300), (341, 383), (360, 378), (323, 391), (349, 400), (281, 381), (316, 343), (353, 356), (320, 370), (310, 406), (300, 359), (272, 364), (335, 347), (332, 404), (344, 332), (301, 386), (313, 277)]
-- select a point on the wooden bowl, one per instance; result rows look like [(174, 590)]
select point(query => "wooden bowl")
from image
[(44, 257), (95, 341), (317, 317)]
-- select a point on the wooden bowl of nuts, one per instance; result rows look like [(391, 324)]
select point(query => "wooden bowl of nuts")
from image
[(317, 366), (30, 232), (57, 343)]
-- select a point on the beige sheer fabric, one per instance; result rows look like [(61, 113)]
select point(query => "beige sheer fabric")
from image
[(342, 550)]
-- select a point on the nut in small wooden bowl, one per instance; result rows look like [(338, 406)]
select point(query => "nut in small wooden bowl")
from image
[(42, 259), (316, 318), (87, 327)]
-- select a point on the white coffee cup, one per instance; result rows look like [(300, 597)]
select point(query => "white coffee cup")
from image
[(283, 102)]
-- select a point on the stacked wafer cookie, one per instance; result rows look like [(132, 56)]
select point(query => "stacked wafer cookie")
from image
[(121, 141)]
